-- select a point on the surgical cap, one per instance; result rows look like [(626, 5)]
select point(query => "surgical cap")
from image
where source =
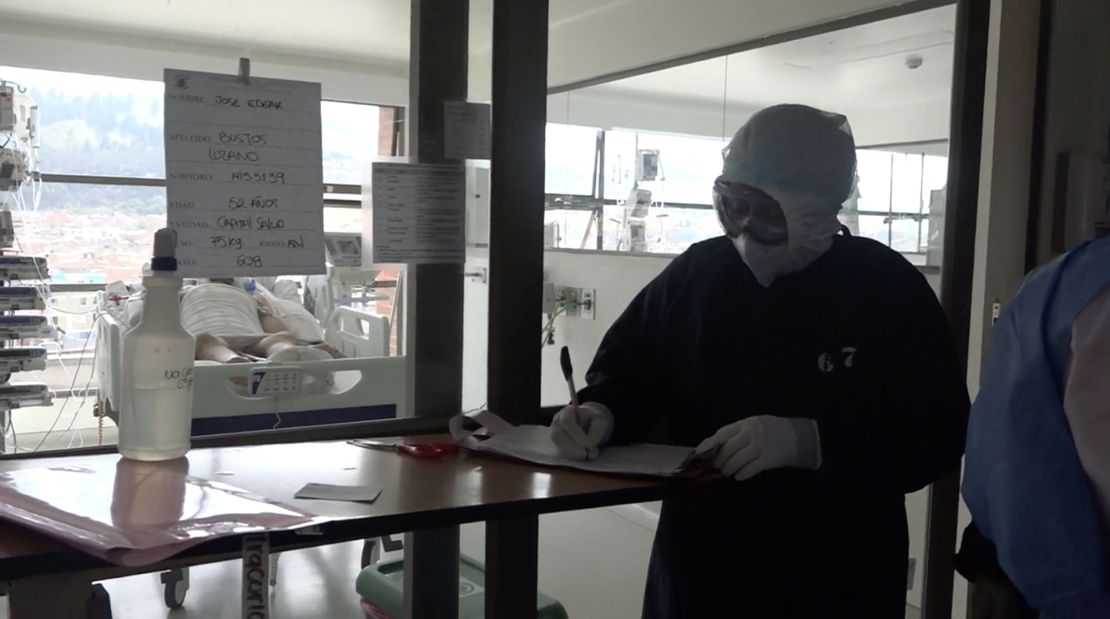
[(796, 148)]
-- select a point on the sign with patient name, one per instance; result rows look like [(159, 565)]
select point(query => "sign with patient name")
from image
[(244, 178), (418, 213)]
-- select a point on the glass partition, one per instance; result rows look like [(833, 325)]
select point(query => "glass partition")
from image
[(662, 133), (678, 119), (92, 209)]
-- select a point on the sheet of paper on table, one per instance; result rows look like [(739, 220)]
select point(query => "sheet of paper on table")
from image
[(135, 513), (334, 492), (533, 444)]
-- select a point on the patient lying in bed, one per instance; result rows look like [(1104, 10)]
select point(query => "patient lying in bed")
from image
[(234, 326)]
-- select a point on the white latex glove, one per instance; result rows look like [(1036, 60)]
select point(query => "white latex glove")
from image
[(580, 436), (750, 446)]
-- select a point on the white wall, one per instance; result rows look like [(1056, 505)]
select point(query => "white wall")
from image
[(1005, 167), (81, 51), (476, 331), (614, 35), (1078, 98), (616, 278), (596, 108), (922, 121)]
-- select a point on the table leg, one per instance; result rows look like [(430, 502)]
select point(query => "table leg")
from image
[(63, 595), (432, 573), (512, 553)]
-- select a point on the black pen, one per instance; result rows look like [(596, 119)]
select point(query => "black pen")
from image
[(568, 373)]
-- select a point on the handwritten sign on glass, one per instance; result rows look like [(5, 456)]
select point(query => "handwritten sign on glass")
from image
[(466, 130), (419, 213), (244, 178)]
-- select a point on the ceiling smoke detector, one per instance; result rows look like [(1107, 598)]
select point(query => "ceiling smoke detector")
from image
[(914, 61)]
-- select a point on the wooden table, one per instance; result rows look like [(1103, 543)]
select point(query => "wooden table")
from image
[(426, 497)]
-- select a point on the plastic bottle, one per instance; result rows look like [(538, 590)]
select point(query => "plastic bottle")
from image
[(156, 415)]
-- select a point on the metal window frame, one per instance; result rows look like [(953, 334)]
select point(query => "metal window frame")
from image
[(920, 217), (139, 181), (890, 148)]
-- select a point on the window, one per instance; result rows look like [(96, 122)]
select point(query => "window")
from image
[(688, 165), (349, 140), (897, 191), (92, 233), (343, 219), (570, 159), (96, 125), (659, 229), (681, 200), (110, 131), (569, 227)]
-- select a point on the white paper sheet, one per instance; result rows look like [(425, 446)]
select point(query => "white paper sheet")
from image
[(136, 513), (534, 444), (419, 213), (244, 175), (466, 130), (333, 492)]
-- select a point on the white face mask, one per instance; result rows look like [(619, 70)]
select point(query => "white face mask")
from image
[(811, 226)]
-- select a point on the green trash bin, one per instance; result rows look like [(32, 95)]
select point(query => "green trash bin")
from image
[(382, 587)]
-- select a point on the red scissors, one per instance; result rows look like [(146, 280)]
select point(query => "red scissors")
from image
[(424, 451)]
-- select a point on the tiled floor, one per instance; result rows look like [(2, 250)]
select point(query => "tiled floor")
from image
[(313, 583), (317, 582)]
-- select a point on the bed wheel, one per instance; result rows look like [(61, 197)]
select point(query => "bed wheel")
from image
[(175, 583)]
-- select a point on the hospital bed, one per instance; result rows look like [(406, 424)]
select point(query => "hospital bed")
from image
[(365, 385)]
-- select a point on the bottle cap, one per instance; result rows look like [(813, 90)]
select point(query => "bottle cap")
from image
[(165, 245)]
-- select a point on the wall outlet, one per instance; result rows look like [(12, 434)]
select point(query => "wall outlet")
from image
[(571, 300), (577, 302), (587, 303)]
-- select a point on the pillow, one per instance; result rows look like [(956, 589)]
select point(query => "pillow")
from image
[(287, 290), (302, 324)]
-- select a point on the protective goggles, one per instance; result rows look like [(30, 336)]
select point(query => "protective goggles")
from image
[(743, 209)]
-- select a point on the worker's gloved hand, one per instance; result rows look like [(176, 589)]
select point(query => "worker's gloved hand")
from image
[(750, 446), (580, 436)]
